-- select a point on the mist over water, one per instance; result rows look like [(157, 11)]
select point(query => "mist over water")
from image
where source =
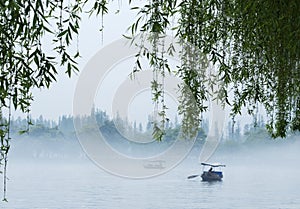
[(57, 174)]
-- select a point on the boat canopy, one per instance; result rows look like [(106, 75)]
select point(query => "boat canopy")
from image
[(213, 165)]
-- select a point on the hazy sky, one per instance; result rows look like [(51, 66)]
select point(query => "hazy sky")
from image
[(57, 100)]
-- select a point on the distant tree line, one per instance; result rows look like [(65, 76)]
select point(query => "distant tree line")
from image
[(63, 128)]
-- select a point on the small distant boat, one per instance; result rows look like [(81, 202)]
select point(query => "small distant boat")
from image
[(155, 164), (211, 174)]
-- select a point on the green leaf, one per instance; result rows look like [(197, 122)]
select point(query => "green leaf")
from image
[(62, 33)]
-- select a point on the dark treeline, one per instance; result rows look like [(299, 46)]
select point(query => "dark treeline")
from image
[(43, 128), (64, 128), (49, 139)]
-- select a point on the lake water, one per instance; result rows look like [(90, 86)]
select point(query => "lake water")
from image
[(252, 179)]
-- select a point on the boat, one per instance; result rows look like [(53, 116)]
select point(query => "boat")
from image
[(154, 164), (212, 174)]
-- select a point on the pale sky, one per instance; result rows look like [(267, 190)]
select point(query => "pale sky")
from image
[(58, 100)]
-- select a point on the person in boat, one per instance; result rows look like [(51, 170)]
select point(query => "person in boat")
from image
[(210, 171)]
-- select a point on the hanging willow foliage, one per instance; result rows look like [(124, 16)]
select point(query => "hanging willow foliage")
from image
[(255, 44), (25, 63)]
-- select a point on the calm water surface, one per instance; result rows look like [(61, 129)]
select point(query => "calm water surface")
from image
[(86, 186), (255, 181)]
